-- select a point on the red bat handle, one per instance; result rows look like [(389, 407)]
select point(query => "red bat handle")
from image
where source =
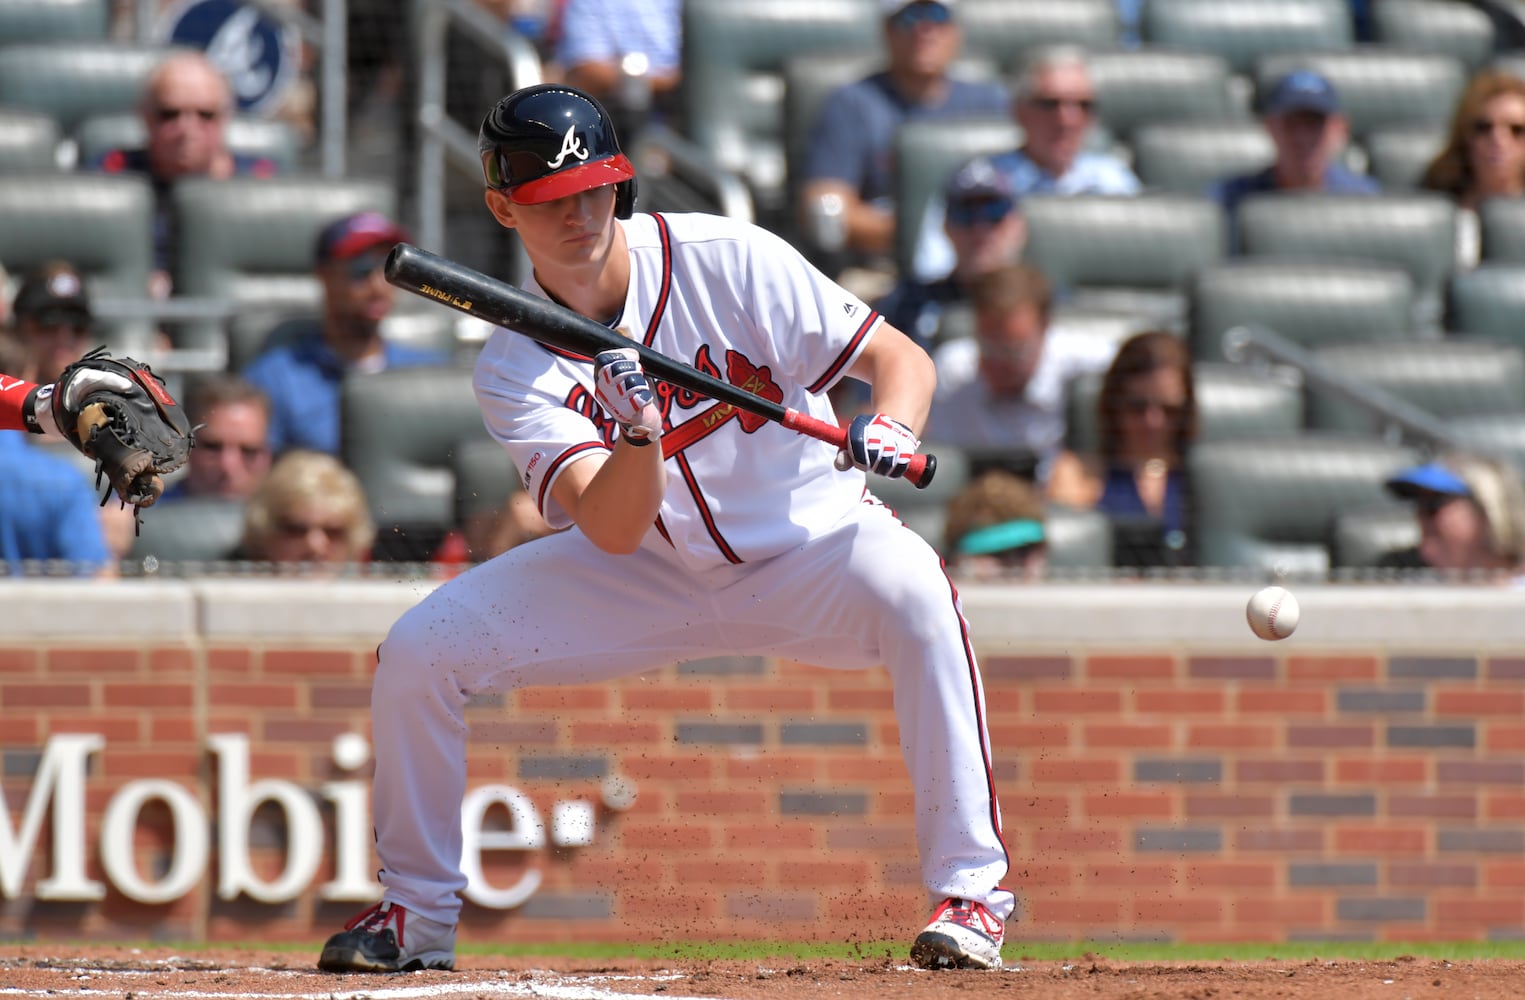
[(919, 470)]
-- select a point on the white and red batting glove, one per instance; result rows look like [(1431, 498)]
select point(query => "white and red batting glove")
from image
[(878, 444), (621, 388)]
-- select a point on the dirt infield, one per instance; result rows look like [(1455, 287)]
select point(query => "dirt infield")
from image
[(133, 974)]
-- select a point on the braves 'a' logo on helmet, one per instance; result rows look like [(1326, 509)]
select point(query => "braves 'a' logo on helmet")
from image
[(570, 146)]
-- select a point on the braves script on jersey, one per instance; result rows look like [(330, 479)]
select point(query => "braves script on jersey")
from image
[(701, 292)]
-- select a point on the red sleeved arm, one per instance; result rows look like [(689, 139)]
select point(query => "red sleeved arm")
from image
[(14, 393)]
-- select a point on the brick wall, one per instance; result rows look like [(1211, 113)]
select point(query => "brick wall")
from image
[(1366, 786)]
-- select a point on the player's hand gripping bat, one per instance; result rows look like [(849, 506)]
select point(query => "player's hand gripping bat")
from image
[(502, 304)]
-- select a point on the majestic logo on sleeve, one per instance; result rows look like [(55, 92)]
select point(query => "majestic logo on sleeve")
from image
[(739, 371), (571, 145)]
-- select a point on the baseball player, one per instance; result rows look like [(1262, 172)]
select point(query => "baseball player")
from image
[(695, 530)]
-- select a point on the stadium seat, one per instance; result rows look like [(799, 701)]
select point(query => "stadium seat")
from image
[(1132, 254), (24, 21), (1189, 157), (1500, 434), (28, 141), (1361, 538), (1241, 31), (1489, 301), (926, 154), (1379, 88), (404, 456), (250, 240), (1134, 88), (268, 138), (196, 529), (925, 510), (1460, 30), (1399, 155), (1502, 225), (1273, 506), (1003, 30), (1448, 379), (1415, 231), (733, 76), (103, 225), (484, 477), (1307, 301), (1233, 403), (1076, 539), (74, 81)]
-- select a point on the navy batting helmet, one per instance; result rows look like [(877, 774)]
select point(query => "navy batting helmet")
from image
[(550, 140)]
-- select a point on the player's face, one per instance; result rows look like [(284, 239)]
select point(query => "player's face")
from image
[(569, 232), (185, 117), (232, 453), (1010, 345)]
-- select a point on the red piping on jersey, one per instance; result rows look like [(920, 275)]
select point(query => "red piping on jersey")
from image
[(705, 512), (558, 462), (562, 352), (664, 291), (820, 384)]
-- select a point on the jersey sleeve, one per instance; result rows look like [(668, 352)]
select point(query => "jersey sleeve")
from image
[(13, 393), (541, 414)]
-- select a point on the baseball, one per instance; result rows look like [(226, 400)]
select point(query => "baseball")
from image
[(1272, 613)]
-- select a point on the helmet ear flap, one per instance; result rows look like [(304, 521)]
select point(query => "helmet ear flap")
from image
[(624, 199)]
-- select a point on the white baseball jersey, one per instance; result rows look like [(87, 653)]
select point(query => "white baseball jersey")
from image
[(709, 292)]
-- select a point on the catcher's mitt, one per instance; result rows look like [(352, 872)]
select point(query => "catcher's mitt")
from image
[(117, 411)]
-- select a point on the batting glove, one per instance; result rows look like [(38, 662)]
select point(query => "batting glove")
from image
[(878, 444), (622, 390)]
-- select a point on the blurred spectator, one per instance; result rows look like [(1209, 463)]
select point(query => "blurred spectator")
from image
[(48, 510), (1004, 388), (995, 529), (849, 158), (185, 106), (310, 511), (232, 452), (1056, 107), (986, 228), (52, 320), (1484, 153), (305, 360), (1146, 422), (1471, 513), (1302, 115), (627, 53)]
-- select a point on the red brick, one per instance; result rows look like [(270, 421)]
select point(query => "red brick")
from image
[(173, 729), (309, 662), (1433, 806), (1070, 701), (1478, 912), (768, 699), (722, 803), (21, 731), (1106, 770), (1130, 668), (118, 764), (771, 767), (1031, 807), (774, 836), (1141, 876), (254, 696), (881, 700), (170, 659), (1503, 874), (1312, 735), (18, 660), (229, 661), (1332, 668), (1077, 842), (156, 695), (125, 728), (289, 730), (1472, 702), (92, 661), (1178, 910), (1381, 841), (1282, 911), (585, 697), (859, 768), (1281, 701), (1230, 736), (1085, 913), (1278, 771), (1496, 805), (1207, 805), (52, 695), (794, 874), (617, 733), (1125, 736), (647, 767), (726, 872), (666, 836), (1497, 737), (1381, 770), (1230, 875), (1036, 874), (667, 699), (231, 724), (1174, 702), (1038, 736), (1128, 805)]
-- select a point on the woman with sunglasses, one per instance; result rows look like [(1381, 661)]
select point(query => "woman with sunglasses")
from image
[(1484, 153), (1147, 413)]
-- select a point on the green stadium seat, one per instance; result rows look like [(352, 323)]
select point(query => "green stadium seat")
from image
[(1449, 379), (924, 510), (1378, 88), (195, 529), (1004, 30), (1361, 538), (1242, 31), (28, 141), (1415, 231), (1077, 539), (268, 138), (484, 477), (1500, 434), (1306, 301), (1399, 155), (1189, 157), (1273, 506), (76, 80), (23, 21), (1462, 31), (1501, 222), (1137, 87), (1489, 301), (926, 154)]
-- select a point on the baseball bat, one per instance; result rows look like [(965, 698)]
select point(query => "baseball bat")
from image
[(476, 294)]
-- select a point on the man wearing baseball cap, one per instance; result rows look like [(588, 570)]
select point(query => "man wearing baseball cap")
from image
[(53, 320), (1471, 513), (1301, 113), (305, 360)]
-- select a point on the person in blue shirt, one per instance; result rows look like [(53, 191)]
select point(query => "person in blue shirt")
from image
[(305, 360), (1056, 107), (1302, 115), (851, 147)]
